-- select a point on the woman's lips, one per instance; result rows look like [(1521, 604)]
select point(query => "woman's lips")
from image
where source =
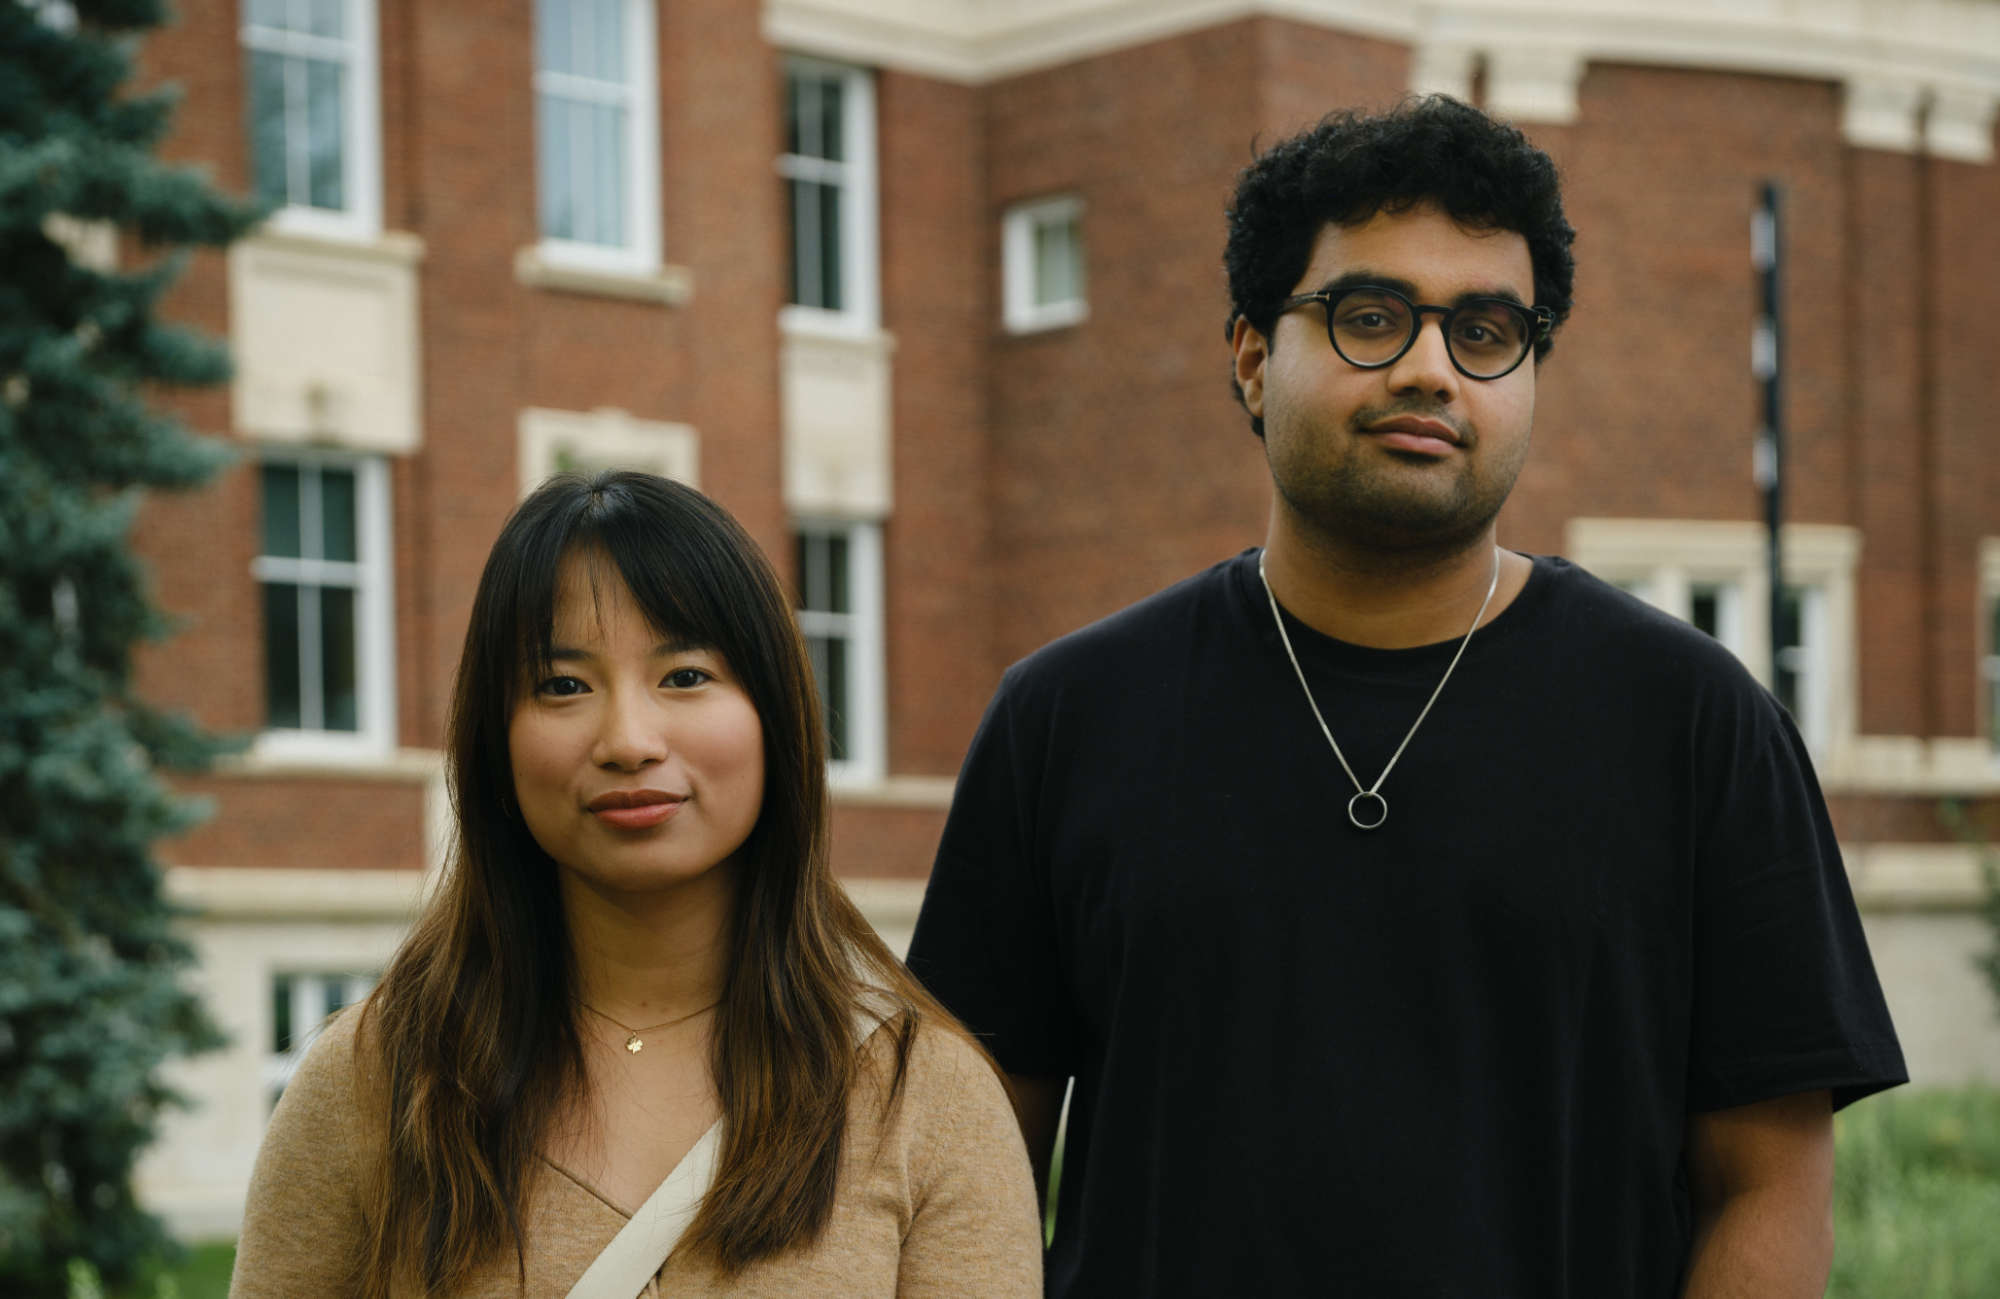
[(637, 809)]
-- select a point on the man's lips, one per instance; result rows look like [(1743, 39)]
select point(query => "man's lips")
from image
[(635, 809), (1415, 433)]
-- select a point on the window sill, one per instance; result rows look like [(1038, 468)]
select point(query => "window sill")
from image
[(300, 755), (671, 286), (915, 792), (384, 247), (1044, 319)]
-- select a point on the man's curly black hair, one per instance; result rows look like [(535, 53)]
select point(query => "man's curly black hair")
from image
[(1353, 165)]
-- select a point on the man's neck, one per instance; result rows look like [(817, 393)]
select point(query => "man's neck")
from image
[(1388, 599)]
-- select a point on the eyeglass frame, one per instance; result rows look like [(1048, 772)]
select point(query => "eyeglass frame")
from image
[(1541, 322)]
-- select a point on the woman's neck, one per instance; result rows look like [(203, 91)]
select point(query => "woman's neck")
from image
[(646, 958)]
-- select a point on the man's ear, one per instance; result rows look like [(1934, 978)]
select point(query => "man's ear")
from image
[(1252, 350)]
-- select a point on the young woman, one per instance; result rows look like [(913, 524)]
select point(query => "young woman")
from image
[(639, 965)]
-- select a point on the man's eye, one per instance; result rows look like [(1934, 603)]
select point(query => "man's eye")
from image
[(686, 678), (561, 687)]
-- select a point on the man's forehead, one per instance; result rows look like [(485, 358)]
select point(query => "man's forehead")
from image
[(1424, 247)]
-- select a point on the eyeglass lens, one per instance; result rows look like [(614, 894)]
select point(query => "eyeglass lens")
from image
[(1370, 326)]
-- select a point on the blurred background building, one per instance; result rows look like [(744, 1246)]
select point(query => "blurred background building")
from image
[(928, 293)]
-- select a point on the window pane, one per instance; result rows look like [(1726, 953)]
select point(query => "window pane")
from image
[(325, 97), (835, 684), (281, 1014), (336, 632), (336, 514), (333, 994), (803, 544), (831, 294), (267, 126), (1058, 262), (1705, 609), (266, 13), (553, 163), (280, 488), (1790, 656), (1993, 678), (805, 243), (608, 62), (608, 150), (795, 109), (832, 140), (281, 654), (552, 42), (326, 17), (836, 566)]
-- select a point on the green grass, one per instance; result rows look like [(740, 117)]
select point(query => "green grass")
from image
[(1916, 1202), (202, 1272)]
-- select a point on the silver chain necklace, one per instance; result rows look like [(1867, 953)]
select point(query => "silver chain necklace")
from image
[(1371, 797)]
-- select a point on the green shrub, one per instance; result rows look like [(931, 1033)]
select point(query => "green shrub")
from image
[(1917, 1197)]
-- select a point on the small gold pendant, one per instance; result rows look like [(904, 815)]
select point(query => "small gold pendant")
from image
[(634, 1045)]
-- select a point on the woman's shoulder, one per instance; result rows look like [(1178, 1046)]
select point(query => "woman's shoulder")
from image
[(948, 1085), (328, 1075)]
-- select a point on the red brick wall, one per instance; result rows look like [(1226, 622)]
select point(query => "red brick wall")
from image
[(939, 302), (1960, 346), (1048, 479), (322, 824), (1647, 407)]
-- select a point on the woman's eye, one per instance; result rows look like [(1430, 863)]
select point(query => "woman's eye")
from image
[(561, 687), (686, 678)]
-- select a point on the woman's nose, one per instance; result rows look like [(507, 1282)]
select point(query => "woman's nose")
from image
[(632, 735)]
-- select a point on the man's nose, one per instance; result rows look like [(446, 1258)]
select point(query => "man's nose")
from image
[(1427, 366)]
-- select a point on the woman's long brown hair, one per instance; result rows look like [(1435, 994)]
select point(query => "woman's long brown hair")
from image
[(469, 1042)]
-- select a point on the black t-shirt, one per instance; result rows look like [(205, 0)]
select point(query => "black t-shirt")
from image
[(1449, 1057)]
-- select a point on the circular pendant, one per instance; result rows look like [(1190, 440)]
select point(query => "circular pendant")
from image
[(634, 1045), (1362, 803)]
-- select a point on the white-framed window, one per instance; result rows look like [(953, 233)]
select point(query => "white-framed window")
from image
[(829, 171), (1716, 607), (1042, 264), (1990, 670), (1715, 576), (840, 613), (1802, 681), (314, 116), (1989, 643), (597, 178), (301, 1003), (323, 570)]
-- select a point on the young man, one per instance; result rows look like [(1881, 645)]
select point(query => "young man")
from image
[(1414, 917)]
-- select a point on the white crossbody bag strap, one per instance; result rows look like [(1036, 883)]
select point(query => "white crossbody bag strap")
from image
[(641, 1247)]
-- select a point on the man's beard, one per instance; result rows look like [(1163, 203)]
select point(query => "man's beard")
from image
[(1360, 502)]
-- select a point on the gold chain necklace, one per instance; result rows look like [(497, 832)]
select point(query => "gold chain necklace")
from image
[(633, 1042)]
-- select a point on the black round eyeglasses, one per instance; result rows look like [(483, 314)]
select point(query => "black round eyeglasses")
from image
[(1371, 327)]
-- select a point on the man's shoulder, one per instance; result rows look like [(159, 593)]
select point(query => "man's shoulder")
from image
[(1622, 632), (1145, 628)]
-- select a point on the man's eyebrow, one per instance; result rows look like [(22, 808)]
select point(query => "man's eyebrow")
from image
[(1365, 279)]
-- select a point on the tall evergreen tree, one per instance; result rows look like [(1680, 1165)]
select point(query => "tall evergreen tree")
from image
[(90, 997)]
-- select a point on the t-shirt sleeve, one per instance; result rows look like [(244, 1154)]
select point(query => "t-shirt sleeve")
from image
[(1785, 996), (302, 1221), (974, 1230), (986, 943)]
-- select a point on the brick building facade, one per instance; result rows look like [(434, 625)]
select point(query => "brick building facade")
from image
[(929, 296)]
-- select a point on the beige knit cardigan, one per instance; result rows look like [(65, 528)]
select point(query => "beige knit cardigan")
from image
[(934, 1197)]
